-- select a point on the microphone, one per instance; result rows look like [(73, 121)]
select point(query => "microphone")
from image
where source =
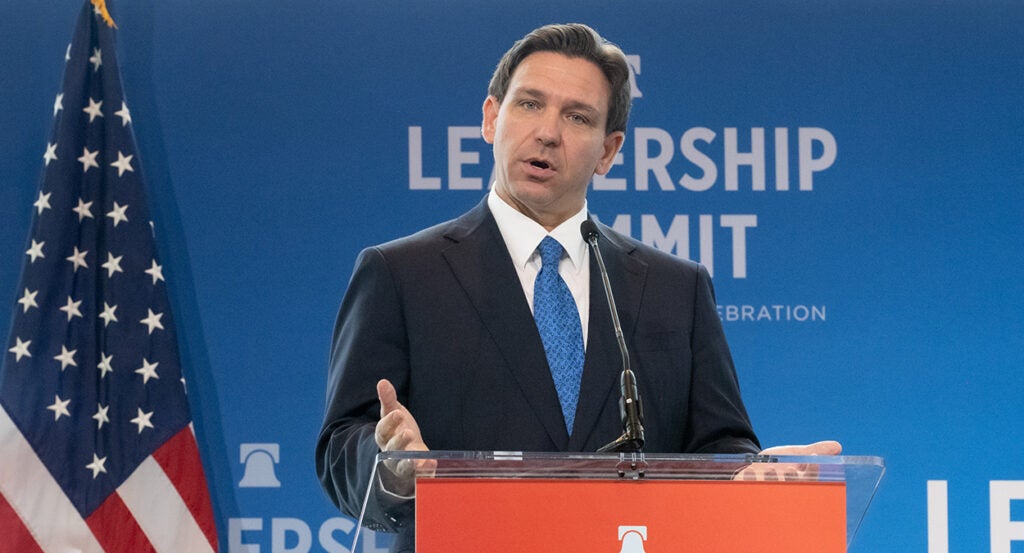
[(630, 408)]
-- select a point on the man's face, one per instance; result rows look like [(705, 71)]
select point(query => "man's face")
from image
[(549, 135)]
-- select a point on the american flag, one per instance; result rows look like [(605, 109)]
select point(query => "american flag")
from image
[(97, 450)]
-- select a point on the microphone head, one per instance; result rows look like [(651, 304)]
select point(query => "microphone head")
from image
[(589, 230)]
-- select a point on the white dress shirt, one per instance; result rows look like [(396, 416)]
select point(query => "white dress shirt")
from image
[(522, 235)]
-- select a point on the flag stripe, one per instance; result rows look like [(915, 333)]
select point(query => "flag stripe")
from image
[(151, 497), (116, 528), (14, 533), (43, 508), (178, 459)]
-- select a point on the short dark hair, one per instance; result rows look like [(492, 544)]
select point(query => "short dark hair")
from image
[(574, 40)]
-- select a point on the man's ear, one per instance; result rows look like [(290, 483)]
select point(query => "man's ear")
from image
[(490, 110), (612, 142)]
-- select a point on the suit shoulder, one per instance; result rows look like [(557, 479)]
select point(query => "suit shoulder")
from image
[(656, 259)]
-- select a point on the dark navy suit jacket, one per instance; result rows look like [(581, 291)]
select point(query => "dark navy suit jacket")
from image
[(442, 315)]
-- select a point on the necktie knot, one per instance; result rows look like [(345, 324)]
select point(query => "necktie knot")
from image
[(550, 253)]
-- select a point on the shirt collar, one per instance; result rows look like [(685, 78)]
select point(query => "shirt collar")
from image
[(522, 235)]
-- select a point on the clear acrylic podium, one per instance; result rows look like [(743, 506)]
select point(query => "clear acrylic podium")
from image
[(495, 502)]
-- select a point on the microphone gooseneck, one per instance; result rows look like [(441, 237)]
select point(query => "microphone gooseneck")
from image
[(630, 408)]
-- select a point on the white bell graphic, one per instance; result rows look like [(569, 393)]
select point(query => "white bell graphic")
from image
[(259, 460), (632, 538)]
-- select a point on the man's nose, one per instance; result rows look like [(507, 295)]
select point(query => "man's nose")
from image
[(549, 129)]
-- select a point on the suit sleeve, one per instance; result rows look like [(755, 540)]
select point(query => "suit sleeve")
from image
[(369, 343), (718, 421)]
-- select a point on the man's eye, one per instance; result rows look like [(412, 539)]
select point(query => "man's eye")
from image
[(529, 104), (577, 118)]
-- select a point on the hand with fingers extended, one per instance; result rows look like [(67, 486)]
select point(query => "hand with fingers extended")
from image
[(397, 431), (778, 472)]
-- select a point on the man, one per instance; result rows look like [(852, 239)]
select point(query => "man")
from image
[(442, 339)]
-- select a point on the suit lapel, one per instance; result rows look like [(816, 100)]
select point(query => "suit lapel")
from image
[(603, 364), (481, 263)]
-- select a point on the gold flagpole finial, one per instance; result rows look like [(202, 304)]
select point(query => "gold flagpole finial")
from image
[(101, 9)]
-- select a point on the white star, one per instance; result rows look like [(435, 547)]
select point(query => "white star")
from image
[(124, 114), (66, 357), (96, 466), (88, 159), (28, 300), (143, 420), (123, 163), (101, 416), (96, 60), (147, 370), (71, 308), (108, 315), (153, 321), (78, 259), (83, 210), (156, 271), (104, 364), (59, 407), (51, 153), (67, 54), (93, 109), (58, 104), (43, 202), (36, 251), (117, 214), (20, 349), (113, 264)]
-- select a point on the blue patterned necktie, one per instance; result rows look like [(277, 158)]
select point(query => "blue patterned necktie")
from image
[(558, 321)]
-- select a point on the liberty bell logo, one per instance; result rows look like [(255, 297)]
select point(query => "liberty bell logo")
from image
[(259, 461), (632, 538)]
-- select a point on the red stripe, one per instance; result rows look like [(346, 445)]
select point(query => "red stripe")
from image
[(179, 458), (115, 528), (14, 533)]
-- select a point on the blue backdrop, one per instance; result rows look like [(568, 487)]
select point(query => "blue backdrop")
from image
[(852, 172)]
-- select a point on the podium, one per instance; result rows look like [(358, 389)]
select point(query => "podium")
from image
[(496, 502)]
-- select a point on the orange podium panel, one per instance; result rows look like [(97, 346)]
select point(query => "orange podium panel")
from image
[(547, 502), (537, 515)]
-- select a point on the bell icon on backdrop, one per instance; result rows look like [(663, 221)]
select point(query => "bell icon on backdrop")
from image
[(632, 538), (259, 461)]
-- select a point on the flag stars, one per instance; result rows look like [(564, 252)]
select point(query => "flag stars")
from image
[(155, 271), (51, 153), (36, 251), (83, 210), (59, 407), (118, 214), (142, 420), (104, 365), (58, 104), (113, 264), (43, 203), (124, 114), (88, 159), (123, 163), (72, 309), (77, 260), (147, 370), (101, 416), (66, 357), (28, 300), (93, 109), (96, 466), (67, 54), (153, 321), (108, 315), (96, 59), (20, 349)]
